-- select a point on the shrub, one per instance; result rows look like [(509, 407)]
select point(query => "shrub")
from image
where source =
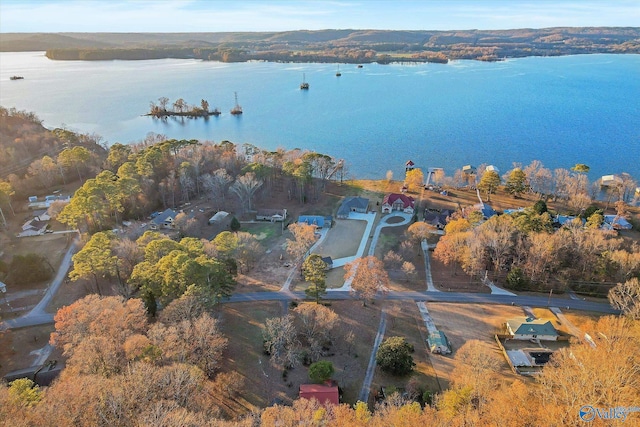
[(517, 280), (394, 356), (320, 371)]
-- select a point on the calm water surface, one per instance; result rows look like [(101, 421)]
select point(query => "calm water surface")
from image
[(561, 110)]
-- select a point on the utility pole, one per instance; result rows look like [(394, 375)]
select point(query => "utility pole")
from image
[(4, 221)]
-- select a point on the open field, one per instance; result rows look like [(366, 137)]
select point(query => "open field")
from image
[(464, 322), (16, 346), (69, 292), (403, 319), (582, 320), (21, 297), (243, 323)]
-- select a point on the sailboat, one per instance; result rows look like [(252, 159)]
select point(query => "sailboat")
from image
[(237, 110), (304, 85), (338, 74)]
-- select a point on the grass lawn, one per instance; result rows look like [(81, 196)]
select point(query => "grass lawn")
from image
[(16, 346), (343, 239), (583, 320), (464, 322), (266, 232), (243, 323)]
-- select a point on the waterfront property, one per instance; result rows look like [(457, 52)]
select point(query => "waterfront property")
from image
[(398, 202), (352, 204)]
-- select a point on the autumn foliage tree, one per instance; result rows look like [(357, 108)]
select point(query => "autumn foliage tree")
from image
[(92, 332), (303, 237), (367, 277)]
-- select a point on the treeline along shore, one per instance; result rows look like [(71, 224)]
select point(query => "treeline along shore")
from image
[(348, 46)]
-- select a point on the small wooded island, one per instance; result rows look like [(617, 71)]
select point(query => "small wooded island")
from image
[(180, 109)]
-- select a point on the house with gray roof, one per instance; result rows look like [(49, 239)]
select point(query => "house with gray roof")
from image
[(164, 220), (528, 328), (616, 222), (352, 204), (317, 220)]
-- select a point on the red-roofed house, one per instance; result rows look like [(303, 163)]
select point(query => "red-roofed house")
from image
[(397, 202), (409, 166), (323, 393)]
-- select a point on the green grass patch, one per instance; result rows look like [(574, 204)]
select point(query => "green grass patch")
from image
[(264, 232)]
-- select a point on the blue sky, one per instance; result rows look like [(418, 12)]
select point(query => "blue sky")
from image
[(268, 15)]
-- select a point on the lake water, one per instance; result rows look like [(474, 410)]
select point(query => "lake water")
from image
[(560, 110)]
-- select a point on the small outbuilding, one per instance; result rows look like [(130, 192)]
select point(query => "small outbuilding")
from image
[(468, 169), (438, 343), (218, 217), (327, 260), (326, 394), (610, 180), (273, 215)]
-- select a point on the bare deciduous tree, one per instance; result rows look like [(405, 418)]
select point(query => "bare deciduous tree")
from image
[(626, 298), (216, 184), (245, 187), (317, 321), (280, 341)]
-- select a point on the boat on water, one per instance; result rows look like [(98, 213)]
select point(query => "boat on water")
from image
[(16, 78), (359, 65), (338, 73), (237, 110), (304, 85)]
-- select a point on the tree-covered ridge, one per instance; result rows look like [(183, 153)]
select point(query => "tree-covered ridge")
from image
[(23, 140), (331, 45)]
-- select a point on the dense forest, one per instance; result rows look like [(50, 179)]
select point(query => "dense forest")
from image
[(350, 46)]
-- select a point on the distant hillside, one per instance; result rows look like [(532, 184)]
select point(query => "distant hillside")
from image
[(331, 45)]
